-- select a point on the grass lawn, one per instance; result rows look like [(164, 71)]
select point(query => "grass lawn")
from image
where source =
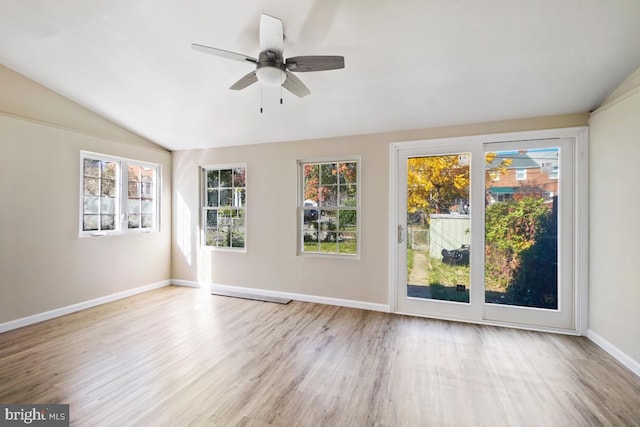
[(409, 261), (345, 247), (448, 275), (443, 279)]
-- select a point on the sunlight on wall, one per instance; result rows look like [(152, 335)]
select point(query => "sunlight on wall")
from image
[(204, 268), (183, 228)]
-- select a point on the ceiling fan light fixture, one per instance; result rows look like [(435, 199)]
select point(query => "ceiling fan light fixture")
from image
[(270, 76)]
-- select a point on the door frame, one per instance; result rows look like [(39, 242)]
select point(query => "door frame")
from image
[(580, 226)]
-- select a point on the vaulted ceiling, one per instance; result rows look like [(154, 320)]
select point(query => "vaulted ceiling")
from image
[(409, 64)]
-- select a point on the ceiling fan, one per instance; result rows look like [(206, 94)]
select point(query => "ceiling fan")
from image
[(271, 67)]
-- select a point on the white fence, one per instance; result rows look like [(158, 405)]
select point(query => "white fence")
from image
[(448, 231)]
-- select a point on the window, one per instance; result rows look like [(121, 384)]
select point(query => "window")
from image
[(521, 174), (329, 207), (118, 195), (503, 197), (141, 206), (224, 206)]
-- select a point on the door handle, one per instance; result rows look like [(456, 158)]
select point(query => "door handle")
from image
[(400, 233)]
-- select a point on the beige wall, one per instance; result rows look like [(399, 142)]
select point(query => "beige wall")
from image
[(44, 265), (23, 98), (270, 261), (614, 267)]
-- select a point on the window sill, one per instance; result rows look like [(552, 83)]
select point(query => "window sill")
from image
[(354, 257), (89, 234), (223, 249)]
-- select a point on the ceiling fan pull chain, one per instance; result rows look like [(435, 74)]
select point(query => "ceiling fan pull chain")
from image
[(280, 94), (260, 99)]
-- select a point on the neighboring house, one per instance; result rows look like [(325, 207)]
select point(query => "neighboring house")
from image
[(528, 173)]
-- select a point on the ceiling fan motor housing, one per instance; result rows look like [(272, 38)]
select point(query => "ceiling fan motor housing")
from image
[(270, 69)]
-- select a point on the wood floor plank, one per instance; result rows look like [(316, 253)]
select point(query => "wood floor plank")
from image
[(180, 357)]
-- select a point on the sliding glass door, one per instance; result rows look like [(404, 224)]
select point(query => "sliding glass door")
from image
[(528, 233), (434, 232), (438, 184), (486, 231)]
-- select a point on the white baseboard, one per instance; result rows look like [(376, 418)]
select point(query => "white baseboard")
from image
[(36, 318), (288, 295), (188, 283), (614, 351)]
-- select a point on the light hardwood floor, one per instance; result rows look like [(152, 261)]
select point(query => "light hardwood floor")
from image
[(180, 357)]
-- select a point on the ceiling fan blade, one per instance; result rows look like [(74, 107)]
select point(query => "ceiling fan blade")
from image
[(301, 64), (271, 34), (223, 53), (295, 86), (245, 81)]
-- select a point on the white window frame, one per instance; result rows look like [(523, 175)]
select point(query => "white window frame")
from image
[(301, 204), (204, 208), (521, 174), (122, 196)]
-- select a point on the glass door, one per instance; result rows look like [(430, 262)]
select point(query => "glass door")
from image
[(528, 223), (486, 231), (435, 198)]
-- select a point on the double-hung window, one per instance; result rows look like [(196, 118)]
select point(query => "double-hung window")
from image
[(118, 195), (224, 206), (329, 207)]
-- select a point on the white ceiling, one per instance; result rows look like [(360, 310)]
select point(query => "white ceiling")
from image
[(409, 64)]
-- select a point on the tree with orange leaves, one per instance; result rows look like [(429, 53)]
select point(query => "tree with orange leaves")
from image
[(436, 183)]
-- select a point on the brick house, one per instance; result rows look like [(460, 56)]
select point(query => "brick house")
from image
[(528, 173)]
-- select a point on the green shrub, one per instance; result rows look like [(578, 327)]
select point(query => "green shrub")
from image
[(521, 250)]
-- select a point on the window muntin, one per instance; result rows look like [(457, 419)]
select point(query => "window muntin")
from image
[(224, 206), (117, 195), (329, 207)]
